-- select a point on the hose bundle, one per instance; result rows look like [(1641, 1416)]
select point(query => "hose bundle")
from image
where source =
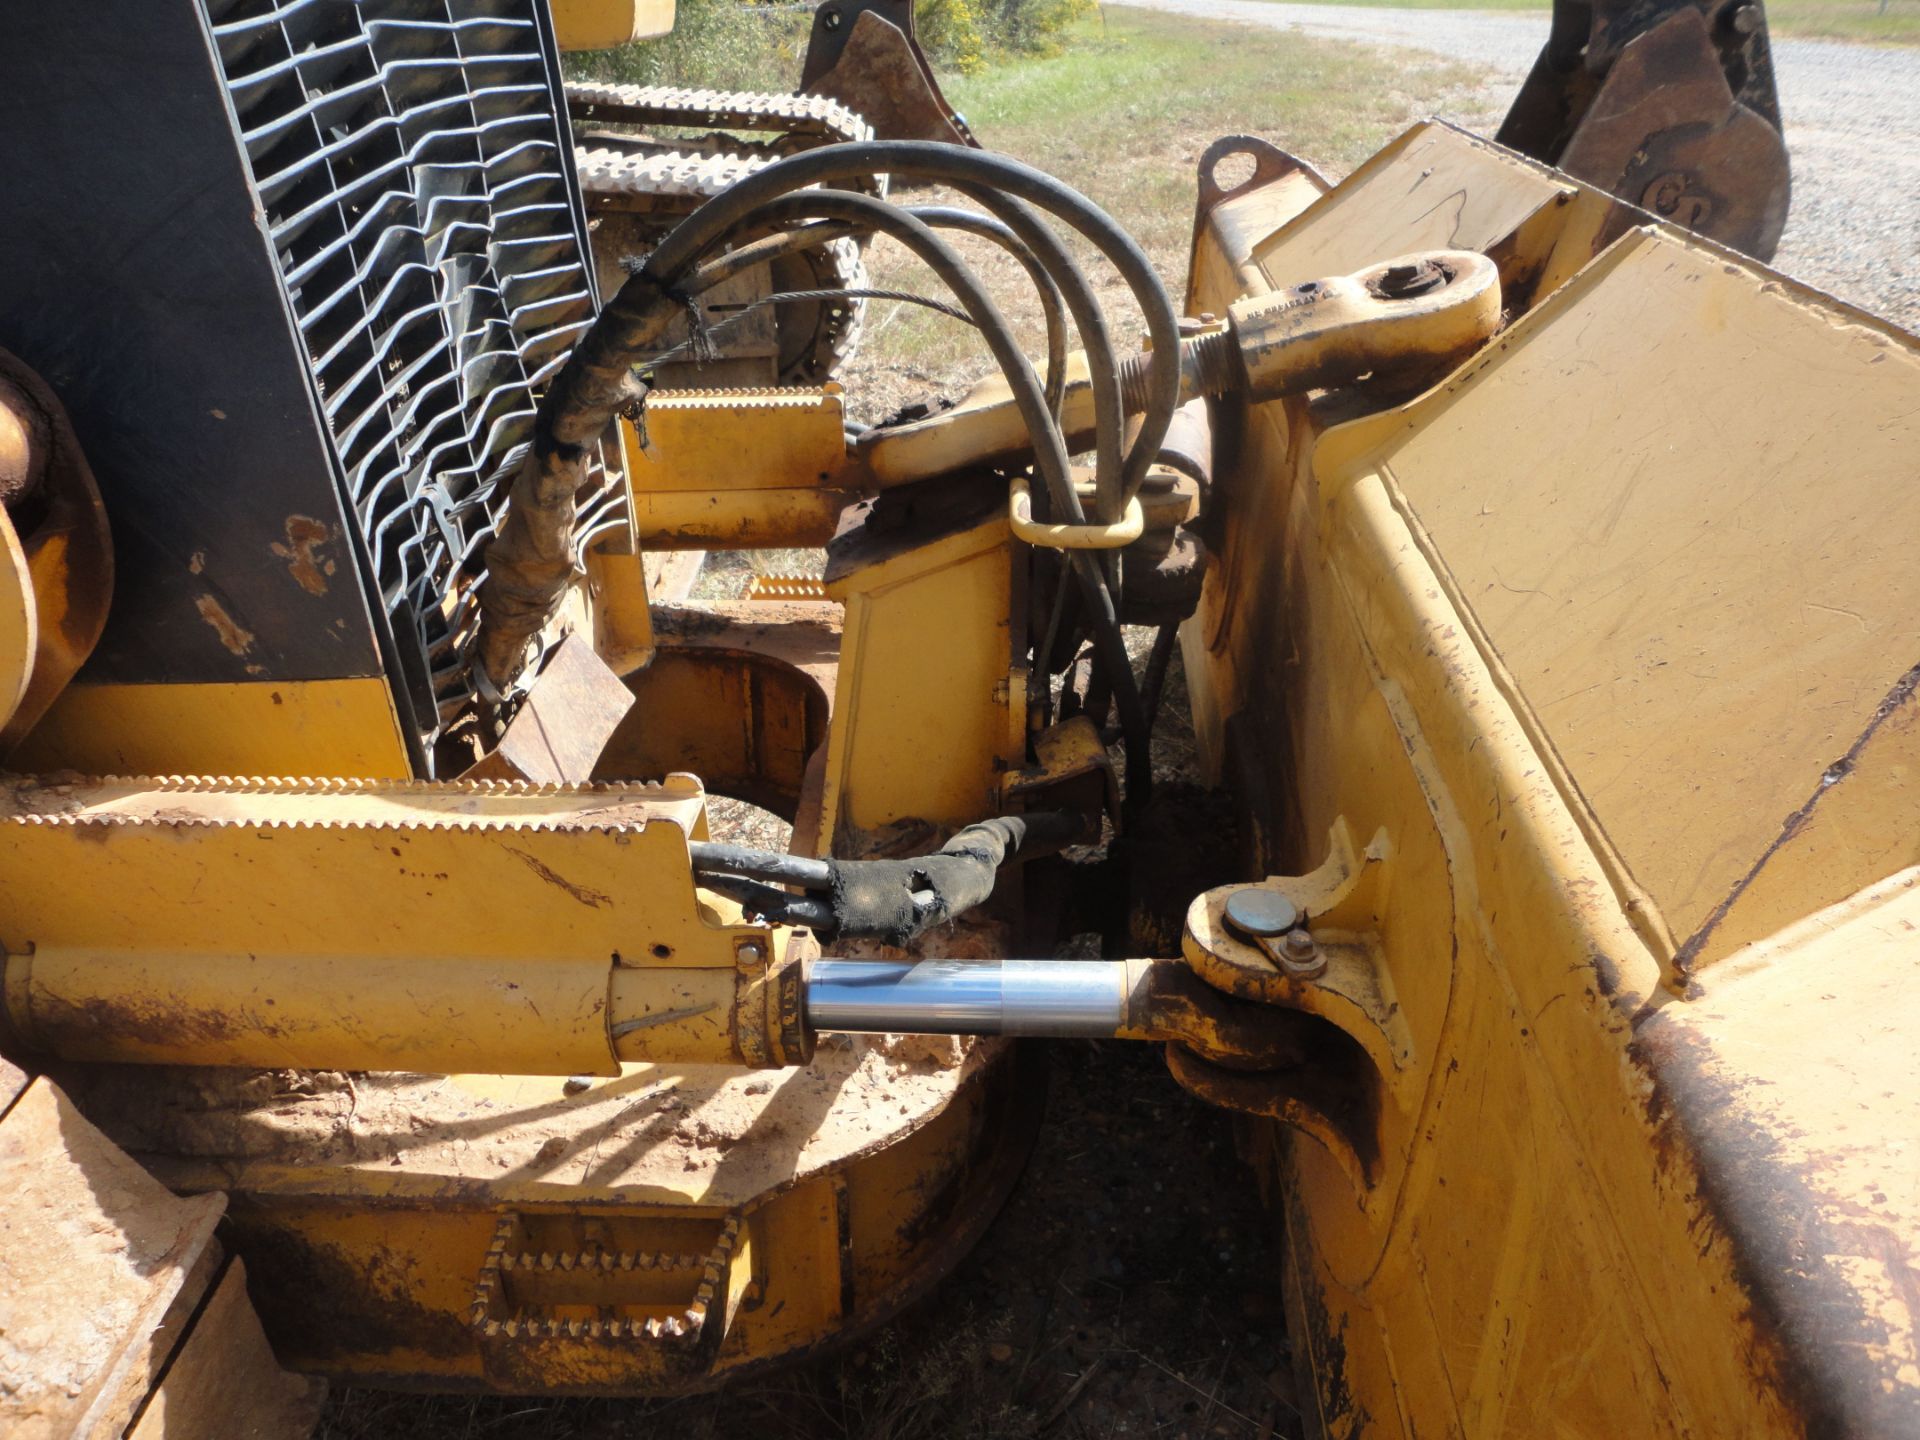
[(889, 900), (529, 562)]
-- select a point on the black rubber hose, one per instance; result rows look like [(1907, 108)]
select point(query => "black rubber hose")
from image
[(1103, 371), (971, 222), (712, 858), (1043, 656), (1088, 318), (774, 904), (1020, 220), (1108, 407), (897, 900), (1117, 476), (1158, 661), (891, 900), (940, 217), (1109, 415), (1050, 452), (927, 160)]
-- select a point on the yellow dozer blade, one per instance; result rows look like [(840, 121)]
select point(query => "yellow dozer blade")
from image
[(1597, 664)]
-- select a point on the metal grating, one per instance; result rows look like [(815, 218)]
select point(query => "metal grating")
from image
[(413, 177)]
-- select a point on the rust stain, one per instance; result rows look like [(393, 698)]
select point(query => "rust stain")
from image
[(579, 892), (148, 1023), (326, 1303), (1812, 1337), (235, 636), (305, 563)]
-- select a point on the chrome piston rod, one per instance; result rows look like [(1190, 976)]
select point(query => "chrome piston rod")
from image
[(971, 997)]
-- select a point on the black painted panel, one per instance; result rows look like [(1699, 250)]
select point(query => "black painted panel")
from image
[(135, 276)]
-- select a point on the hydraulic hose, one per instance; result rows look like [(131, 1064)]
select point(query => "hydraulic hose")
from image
[(970, 222), (1109, 421), (1059, 281), (940, 217), (890, 900), (531, 560), (712, 858), (1050, 453), (977, 172)]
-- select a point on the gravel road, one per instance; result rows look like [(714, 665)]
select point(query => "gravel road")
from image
[(1852, 115)]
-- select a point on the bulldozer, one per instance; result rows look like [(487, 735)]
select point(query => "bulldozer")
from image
[(379, 1005)]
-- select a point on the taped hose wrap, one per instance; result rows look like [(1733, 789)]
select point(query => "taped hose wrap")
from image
[(892, 901), (532, 560)]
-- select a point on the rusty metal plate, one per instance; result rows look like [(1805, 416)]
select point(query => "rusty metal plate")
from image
[(93, 1252)]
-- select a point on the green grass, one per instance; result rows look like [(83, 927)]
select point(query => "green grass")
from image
[(1847, 20), (1122, 113), (1125, 108), (1895, 23)]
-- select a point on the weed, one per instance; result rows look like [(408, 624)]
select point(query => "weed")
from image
[(720, 44)]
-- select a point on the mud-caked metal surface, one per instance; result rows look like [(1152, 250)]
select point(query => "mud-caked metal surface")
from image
[(644, 1233)]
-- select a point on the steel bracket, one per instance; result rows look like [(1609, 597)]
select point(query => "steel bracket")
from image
[(1309, 944)]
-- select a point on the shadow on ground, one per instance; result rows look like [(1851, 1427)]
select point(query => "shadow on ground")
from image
[(1129, 1288)]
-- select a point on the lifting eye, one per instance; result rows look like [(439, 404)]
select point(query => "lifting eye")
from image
[(1233, 169)]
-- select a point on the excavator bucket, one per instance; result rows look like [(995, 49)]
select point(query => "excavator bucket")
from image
[(1669, 105)]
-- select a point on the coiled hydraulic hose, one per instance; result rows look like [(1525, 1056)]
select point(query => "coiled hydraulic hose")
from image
[(531, 560)]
